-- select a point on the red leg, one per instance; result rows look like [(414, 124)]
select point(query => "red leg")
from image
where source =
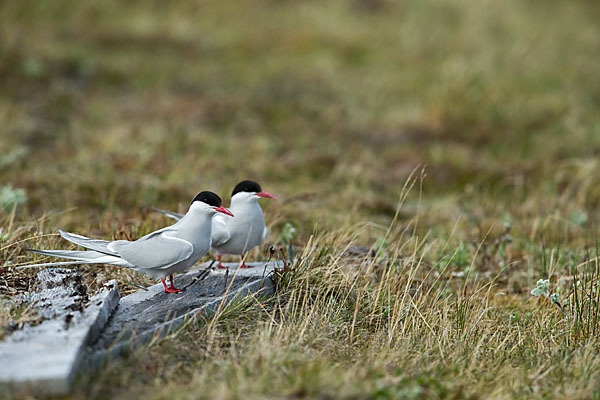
[(221, 266), (173, 285), (244, 263), (168, 290)]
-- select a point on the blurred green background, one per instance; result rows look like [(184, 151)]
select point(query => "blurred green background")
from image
[(107, 107), (110, 106)]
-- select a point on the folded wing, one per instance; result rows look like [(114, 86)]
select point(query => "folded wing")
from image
[(158, 250)]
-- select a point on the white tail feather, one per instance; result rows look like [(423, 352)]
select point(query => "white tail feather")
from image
[(84, 257), (53, 264)]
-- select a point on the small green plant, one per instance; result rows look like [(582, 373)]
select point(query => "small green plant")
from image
[(578, 217), (4, 236), (507, 222), (461, 257), (11, 157), (380, 248), (33, 68), (288, 234), (11, 197), (542, 288)]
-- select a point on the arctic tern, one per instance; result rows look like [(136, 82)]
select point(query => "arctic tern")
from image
[(158, 254), (247, 230)]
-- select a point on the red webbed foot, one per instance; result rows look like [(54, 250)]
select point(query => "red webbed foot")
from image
[(171, 289), (221, 266)]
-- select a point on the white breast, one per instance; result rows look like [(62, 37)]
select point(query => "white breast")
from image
[(242, 233)]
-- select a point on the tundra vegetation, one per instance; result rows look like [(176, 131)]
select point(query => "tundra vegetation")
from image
[(436, 163)]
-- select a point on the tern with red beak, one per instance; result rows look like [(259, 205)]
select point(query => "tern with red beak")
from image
[(158, 254), (237, 236)]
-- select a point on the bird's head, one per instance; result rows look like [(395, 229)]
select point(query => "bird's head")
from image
[(249, 190), (209, 202)]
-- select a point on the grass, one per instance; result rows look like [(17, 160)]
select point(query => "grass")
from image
[(456, 138)]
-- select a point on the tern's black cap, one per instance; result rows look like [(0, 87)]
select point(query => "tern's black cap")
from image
[(209, 198), (246, 186)]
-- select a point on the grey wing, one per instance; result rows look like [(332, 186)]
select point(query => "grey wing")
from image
[(220, 234), (155, 251), (170, 214)]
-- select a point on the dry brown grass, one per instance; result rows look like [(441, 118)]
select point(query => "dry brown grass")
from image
[(385, 325)]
